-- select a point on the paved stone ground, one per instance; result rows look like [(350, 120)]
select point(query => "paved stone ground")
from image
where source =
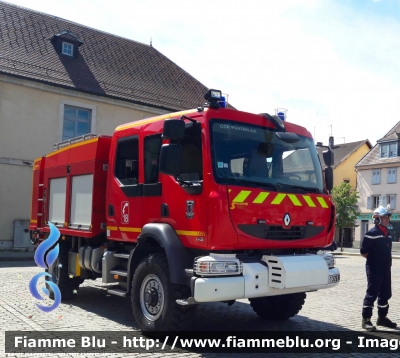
[(337, 309)]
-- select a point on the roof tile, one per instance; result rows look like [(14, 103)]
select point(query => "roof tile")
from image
[(107, 65)]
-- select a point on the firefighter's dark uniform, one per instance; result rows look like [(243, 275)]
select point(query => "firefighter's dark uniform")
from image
[(378, 246)]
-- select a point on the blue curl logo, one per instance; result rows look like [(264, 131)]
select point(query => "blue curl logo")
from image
[(50, 259)]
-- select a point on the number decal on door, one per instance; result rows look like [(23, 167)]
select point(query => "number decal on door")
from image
[(125, 212)]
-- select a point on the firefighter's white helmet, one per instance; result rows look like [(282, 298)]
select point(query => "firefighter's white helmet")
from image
[(381, 211)]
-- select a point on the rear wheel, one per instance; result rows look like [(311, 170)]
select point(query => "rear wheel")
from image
[(278, 307), (154, 296), (59, 275)]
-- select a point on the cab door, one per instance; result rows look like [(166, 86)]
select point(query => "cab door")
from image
[(124, 196), (184, 197)]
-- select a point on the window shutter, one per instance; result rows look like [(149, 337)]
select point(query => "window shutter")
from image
[(369, 202), (392, 201), (384, 201)]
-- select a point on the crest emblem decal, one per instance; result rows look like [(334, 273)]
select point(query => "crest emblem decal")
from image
[(189, 209)]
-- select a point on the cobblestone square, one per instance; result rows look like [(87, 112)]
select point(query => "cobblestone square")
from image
[(336, 309)]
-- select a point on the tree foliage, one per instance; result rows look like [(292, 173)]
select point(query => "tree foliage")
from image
[(345, 201)]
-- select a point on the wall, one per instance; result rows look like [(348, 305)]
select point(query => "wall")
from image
[(346, 169), (365, 189), (30, 125)]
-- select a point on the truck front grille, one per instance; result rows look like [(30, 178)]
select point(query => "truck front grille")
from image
[(279, 233)]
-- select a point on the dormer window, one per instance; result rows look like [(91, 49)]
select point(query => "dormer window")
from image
[(388, 150), (66, 44), (67, 49)]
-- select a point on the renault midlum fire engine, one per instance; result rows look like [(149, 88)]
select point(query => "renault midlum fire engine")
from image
[(205, 205)]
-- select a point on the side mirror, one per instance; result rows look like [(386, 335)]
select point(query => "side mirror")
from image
[(174, 129), (329, 178), (170, 159), (329, 158), (265, 149)]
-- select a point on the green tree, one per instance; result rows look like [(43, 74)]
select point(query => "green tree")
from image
[(345, 201)]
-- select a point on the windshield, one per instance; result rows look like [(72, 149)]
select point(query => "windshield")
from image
[(245, 154)]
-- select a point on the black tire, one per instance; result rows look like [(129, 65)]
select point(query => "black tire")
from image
[(67, 286), (278, 307), (154, 297)]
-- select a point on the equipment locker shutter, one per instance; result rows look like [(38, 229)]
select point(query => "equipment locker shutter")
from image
[(81, 201), (58, 191)]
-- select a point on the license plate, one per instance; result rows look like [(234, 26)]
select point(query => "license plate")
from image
[(334, 278)]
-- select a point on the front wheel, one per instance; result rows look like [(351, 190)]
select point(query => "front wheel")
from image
[(154, 296), (278, 307)]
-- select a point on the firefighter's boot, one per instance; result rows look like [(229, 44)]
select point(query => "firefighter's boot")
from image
[(367, 325), (385, 322)]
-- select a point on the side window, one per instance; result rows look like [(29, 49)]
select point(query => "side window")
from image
[(127, 161), (152, 145), (192, 158)]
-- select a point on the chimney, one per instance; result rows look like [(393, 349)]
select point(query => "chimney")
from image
[(331, 143)]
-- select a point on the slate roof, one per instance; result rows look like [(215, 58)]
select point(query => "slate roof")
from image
[(342, 151), (107, 65), (372, 157)]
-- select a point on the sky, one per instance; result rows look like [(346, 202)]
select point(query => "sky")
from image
[(334, 65)]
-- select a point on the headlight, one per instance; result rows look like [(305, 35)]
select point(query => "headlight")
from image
[(210, 266), (330, 260)]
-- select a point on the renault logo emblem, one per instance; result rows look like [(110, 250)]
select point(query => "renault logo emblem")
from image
[(286, 219)]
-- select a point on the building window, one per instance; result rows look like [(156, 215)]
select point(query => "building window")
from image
[(376, 176), (392, 175), (67, 49), (391, 200), (375, 201), (389, 150), (76, 122)]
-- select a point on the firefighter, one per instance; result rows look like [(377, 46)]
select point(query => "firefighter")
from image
[(377, 249)]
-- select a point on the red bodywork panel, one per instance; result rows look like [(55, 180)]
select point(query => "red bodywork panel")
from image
[(224, 217), (82, 158)]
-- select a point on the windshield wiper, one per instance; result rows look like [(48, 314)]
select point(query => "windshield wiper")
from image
[(254, 183), (304, 188)]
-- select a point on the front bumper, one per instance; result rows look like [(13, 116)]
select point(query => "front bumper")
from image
[(275, 275)]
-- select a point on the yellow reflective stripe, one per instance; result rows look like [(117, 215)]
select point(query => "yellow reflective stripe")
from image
[(34, 221), (190, 233), (260, 198), (294, 200), (309, 201), (241, 197), (278, 199), (130, 229), (112, 228), (322, 202), (152, 120)]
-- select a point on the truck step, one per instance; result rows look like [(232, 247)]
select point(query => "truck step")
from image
[(118, 292), (119, 273), (123, 256)]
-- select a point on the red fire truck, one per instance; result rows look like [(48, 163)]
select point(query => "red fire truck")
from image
[(205, 205)]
